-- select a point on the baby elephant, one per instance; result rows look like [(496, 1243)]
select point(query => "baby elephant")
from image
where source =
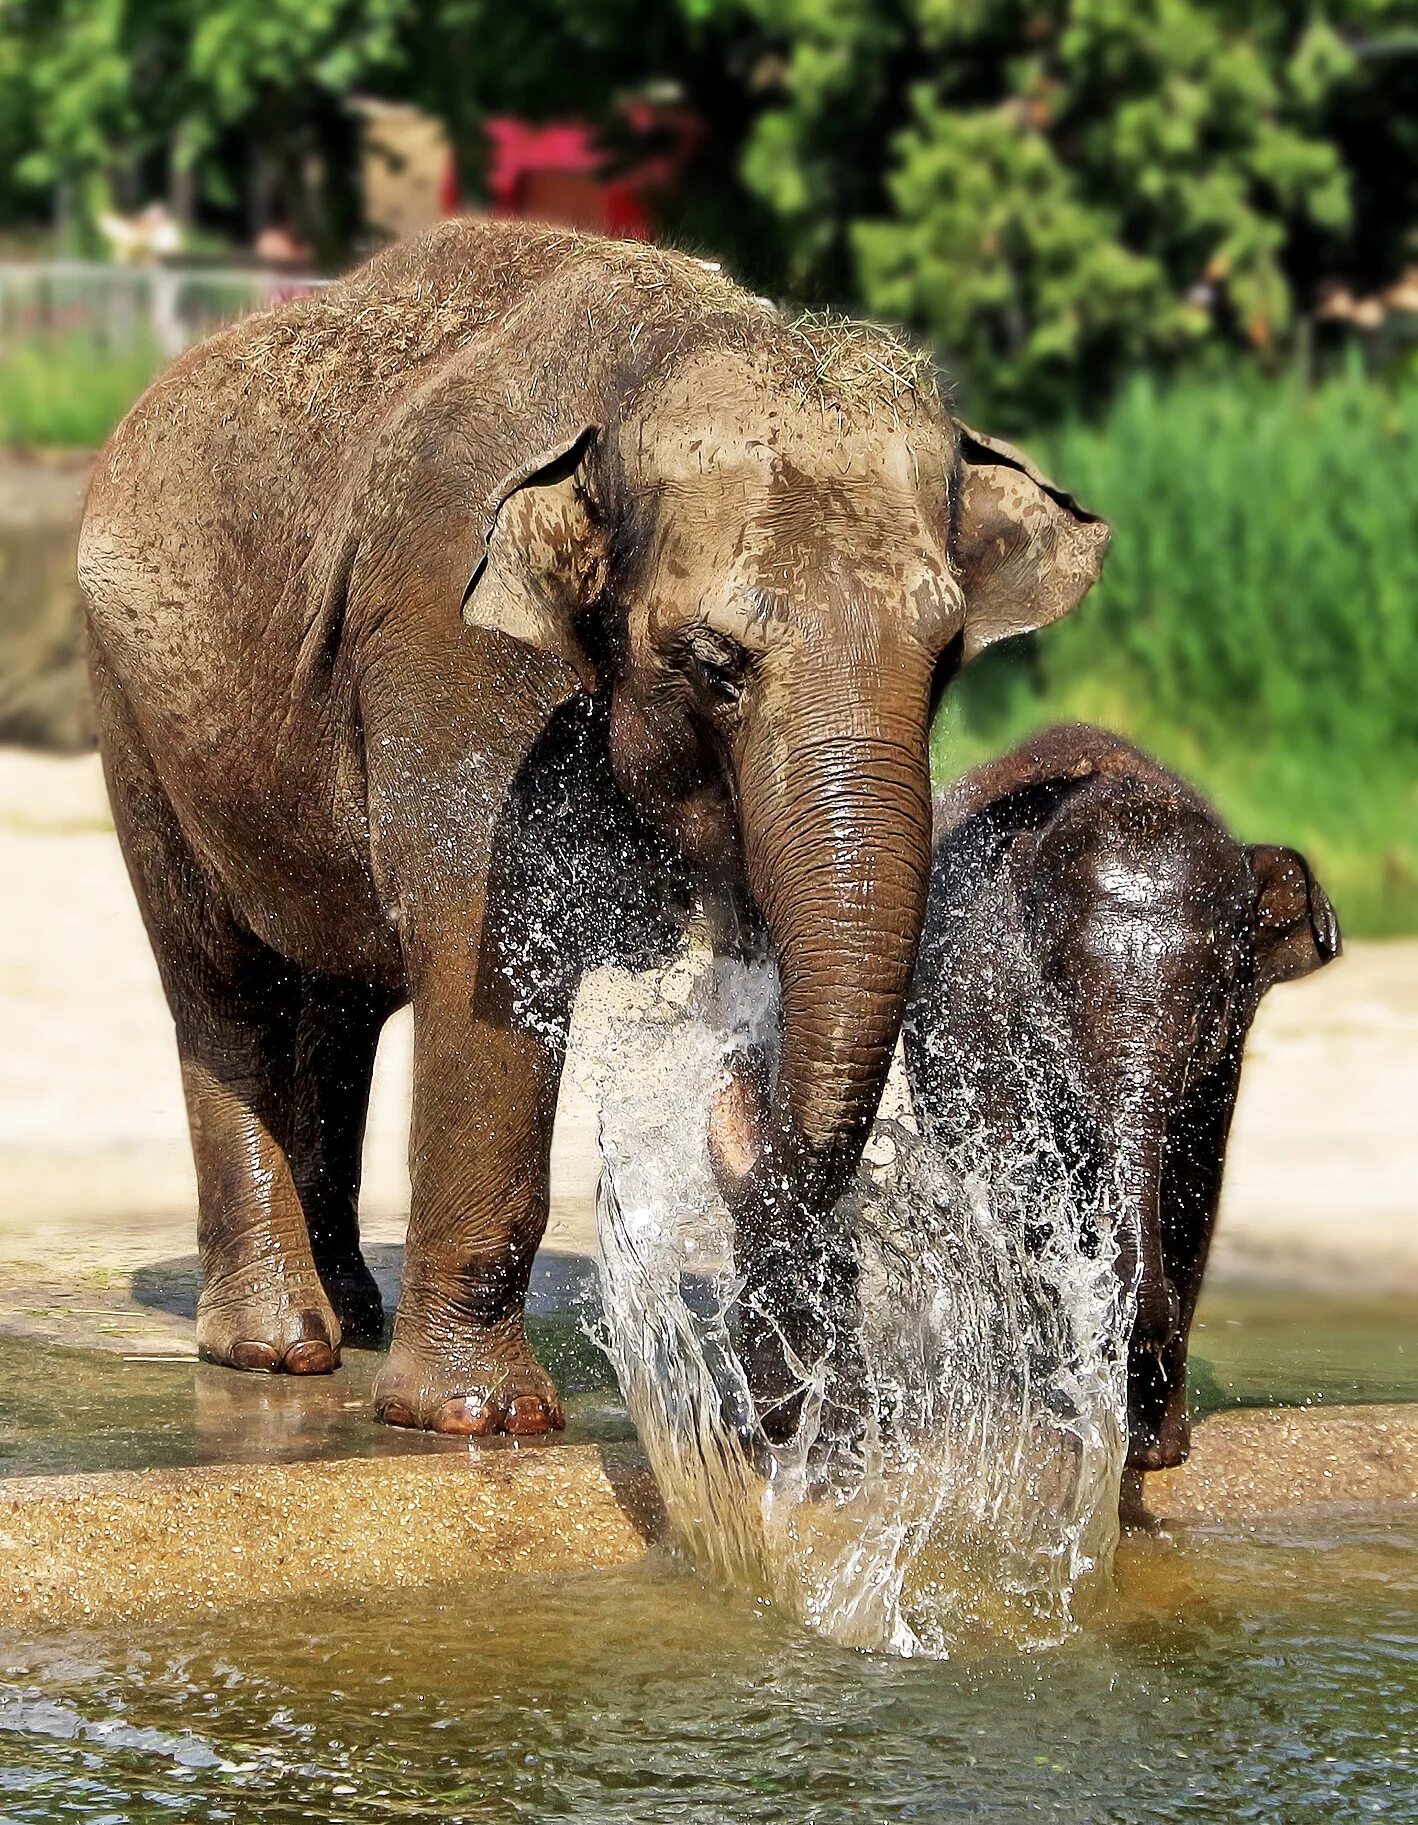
[(1095, 949)]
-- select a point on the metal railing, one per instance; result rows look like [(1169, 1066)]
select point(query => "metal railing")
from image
[(129, 307)]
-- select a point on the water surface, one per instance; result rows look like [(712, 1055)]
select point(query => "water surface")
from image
[(1231, 1674), (1268, 1675)]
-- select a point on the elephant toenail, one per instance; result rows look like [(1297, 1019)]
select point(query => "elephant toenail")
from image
[(313, 1357), (253, 1355), (461, 1420), (530, 1415), (396, 1413)]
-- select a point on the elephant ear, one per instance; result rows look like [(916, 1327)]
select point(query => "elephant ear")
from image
[(1296, 930), (543, 555), (1025, 551)]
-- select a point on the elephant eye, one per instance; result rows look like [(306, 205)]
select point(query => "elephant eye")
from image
[(716, 662)]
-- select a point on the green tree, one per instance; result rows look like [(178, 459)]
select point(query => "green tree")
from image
[(117, 94), (1053, 190), (1056, 189), (101, 101)]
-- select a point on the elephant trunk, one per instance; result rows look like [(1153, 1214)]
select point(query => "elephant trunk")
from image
[(837, 838), (835, 813), (1140, 1257)]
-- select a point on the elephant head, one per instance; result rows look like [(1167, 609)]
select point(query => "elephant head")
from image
[(767, 582)]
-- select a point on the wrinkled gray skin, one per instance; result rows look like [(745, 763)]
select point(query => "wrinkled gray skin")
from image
[(1095, 948), (465, 624)]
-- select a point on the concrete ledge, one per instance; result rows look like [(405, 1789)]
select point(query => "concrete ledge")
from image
[(44, 694), (139, 1543), (1267, 1461), (147, 1542)]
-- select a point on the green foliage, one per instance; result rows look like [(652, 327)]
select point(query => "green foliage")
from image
[(116, 94), (69, 395), (1257, 623), (1052, 188), (996, 251), (1056, 192), (101, 100)]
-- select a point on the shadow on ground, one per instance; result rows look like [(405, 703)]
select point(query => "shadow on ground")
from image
[(561, 1284), (96, 1384)]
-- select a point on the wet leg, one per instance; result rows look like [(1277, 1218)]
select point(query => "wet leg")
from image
[(337, 1035), (262, 1304), (234, 1005), (484, 1102)]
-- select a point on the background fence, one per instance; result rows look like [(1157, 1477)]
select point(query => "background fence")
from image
[(129, 309)]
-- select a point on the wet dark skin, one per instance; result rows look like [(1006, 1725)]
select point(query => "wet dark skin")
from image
[(1096, 946), (469, 624)]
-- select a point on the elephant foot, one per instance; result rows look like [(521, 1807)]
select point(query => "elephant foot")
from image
[(1134, 1516), (275, 1336), (504, 1391), (358, 1305), (1164, 1449), (1159, 1435), (769, 1349)]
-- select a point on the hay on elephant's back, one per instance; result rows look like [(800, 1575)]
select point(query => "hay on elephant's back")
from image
[(334, 353)]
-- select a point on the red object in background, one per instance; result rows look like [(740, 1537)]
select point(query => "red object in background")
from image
[(554, 173)]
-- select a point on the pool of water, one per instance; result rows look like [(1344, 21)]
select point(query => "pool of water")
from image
[(1232, 1673), (1260, 1675), (1266, 1347), (65, 1410)]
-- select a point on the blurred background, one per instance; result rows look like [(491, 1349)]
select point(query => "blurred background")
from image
[(1170, 245)]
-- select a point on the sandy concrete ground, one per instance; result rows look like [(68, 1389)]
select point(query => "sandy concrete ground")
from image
[(137, 1543), (148, 1542), (96, 1179)]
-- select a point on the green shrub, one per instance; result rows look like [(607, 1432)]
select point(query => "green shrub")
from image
[(1257, 625), (69, 394)]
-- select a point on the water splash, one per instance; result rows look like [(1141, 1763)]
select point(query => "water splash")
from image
[(984, 1503)]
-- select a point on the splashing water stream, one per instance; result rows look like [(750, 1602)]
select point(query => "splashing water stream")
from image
[(985, 1500)]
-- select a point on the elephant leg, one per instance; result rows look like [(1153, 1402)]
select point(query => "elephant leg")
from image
[(484, 1102), (797, 1322), (234, 1005), (263, 1305), (1159, 1436), (337, 1035)]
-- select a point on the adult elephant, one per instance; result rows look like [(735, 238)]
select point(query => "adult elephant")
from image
[(427, 613)]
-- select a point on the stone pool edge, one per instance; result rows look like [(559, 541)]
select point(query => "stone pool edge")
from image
[(1250, 1463), (135, 1543), (138, 1543)]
